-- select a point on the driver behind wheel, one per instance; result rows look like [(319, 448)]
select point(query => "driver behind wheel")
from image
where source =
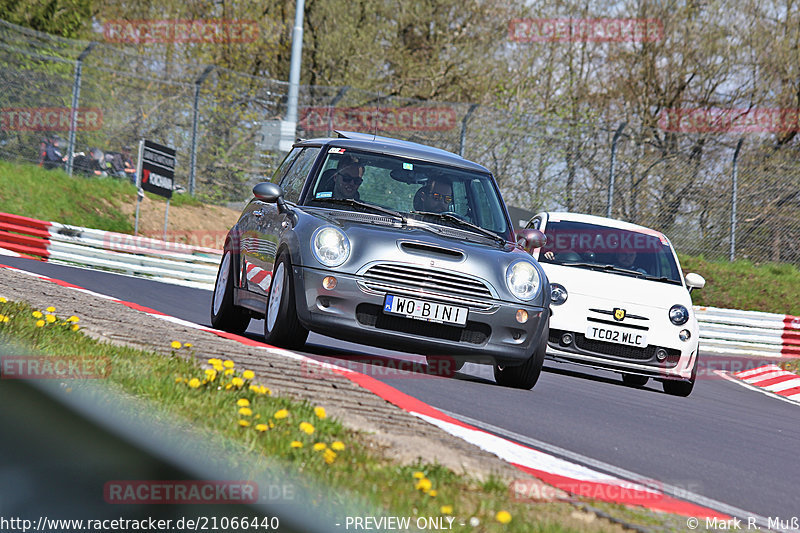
[(436, 196)]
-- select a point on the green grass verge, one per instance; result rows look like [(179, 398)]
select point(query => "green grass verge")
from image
[(91, 202), (770, 287), (212, 401)]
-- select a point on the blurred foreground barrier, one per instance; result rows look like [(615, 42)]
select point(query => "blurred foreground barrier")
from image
[(748, 333), (170, 262)]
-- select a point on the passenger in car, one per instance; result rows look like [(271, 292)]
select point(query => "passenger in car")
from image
[(627, 259), (435, 196)]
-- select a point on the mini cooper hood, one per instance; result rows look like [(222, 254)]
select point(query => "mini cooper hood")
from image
[(618, 287)]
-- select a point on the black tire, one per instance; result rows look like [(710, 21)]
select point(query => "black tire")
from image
[(281, 325), (635, 380), (682, 388), (526, 375), (225, 315)]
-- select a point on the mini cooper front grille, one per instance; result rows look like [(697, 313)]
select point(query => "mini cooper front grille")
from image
[(386, 277), (472, 333)]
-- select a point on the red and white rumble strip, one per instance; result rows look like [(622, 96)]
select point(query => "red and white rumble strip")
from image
[(772, 379), (570, 477)]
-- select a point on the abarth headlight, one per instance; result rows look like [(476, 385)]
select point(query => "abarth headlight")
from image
[(678, 315), (522, 279), (558, 294), (330, 245)]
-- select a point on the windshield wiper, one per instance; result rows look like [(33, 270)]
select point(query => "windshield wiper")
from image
[(455, 218), (663, 278), (614, 268), (358, 203)]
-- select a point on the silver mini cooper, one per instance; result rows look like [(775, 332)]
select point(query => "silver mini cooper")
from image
[(392, 244)]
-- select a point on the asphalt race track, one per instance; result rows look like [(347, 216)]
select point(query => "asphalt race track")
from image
[(724, 442)]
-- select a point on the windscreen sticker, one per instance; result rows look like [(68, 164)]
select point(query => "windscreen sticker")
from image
[(324, 194), (408, 166), (335, 150)]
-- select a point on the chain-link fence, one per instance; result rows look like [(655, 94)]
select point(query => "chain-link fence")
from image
[(223, 124)]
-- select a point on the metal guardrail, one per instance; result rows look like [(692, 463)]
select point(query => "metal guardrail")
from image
[(748, 333), (177, 263)]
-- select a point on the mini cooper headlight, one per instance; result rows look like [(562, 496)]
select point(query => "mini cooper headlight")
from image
[(330, 245), (522, 279), (678, 315), (558, 294)]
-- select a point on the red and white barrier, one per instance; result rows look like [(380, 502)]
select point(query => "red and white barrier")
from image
[(170, 262), (748, 333)]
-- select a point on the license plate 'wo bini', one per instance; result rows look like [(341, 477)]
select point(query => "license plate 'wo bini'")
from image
[(423, 310)]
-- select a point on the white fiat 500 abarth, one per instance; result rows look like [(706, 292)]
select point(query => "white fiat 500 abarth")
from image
[(619, 300)]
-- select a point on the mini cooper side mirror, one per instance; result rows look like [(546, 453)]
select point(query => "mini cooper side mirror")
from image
[(271, 193), (530, 239), (267, 192)]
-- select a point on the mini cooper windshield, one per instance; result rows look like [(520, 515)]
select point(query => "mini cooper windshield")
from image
[(410, 189), (615, 250)]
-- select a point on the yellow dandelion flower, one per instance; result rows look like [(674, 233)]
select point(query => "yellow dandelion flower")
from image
[(178, 379), (337, 446), (423, 484), (218, 367), (237, 382), (320, 412), (282, 413), (228, 386), (51, 309), (244, 423), (187, 344), (50, 319), (37, 314), (432, 493), (271, 424), (418, 475), (296, 444), (306, 428), (194, 383), (5, 318), (261, 427), (229, 371), (446, 509), (74, 327), (214, 361), (319, 446), (248, 374), (73, 318), (245, 411), (3, 300), (175, 344), (243, 402), (504, 517), (228, 363), (264, 391), (211, 374), (39, 323), (329, 455)]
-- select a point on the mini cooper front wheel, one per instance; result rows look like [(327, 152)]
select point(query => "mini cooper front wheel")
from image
[(281, 325), (526, 375)]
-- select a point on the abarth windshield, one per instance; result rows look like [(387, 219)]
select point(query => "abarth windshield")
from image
[(411, 189), (644, 254)]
